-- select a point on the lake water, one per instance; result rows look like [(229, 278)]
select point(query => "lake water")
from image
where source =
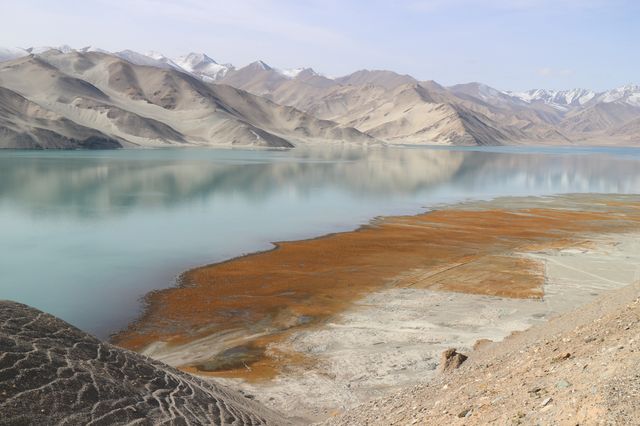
[(84, 235)]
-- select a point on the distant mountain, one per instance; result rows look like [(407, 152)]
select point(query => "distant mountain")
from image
[(629, 95), (386, 79), (203, 66), (561, 99), (364, 106), (8, 54), (142, 105), (149, 60), (257, 78)]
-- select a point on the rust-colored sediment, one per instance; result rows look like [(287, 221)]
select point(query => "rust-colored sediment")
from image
[(301, 283)]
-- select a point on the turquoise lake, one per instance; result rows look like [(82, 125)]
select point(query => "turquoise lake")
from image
[(85, 235)]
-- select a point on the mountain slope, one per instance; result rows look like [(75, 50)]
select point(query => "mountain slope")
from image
[(398, 109), (27, 125), (600, 117), (257, 77)]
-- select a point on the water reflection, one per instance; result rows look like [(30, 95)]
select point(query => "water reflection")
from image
[(89, 185)]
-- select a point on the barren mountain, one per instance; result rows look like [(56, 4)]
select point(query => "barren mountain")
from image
[(151, 105), (151, 99), (27, 125), (257, 77), (386, 79), (408, 113), (630, 130), (400, 109), (599, 117)]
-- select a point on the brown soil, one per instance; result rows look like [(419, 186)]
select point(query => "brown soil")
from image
[(302, 283)]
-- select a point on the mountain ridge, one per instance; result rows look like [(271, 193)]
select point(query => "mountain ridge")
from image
[(364, 106), (144, 105)]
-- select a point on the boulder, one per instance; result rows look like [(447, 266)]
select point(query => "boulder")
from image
[(53, 373), (451, 359)]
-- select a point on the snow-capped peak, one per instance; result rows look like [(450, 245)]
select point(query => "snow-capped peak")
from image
[(7, 54), (193, 61), (560, 99), (629, 94), (203, 66), (152, 59), (93, 49), (299, 72), (292, 72)]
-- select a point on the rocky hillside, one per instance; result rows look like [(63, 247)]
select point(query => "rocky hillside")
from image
[(53, 373), (579, 368)]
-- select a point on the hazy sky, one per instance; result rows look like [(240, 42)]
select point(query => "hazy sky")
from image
[(508, 44)]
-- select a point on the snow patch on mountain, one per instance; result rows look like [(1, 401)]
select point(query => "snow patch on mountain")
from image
[(203, 66), (560, 99), (37, 50), (93, 49), (163, 59), (564, 99), (292, 72), (629, 94)]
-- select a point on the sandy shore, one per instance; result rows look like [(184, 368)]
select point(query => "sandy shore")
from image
[(315, 327)]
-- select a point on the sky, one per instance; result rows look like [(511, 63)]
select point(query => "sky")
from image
[(507, 44)]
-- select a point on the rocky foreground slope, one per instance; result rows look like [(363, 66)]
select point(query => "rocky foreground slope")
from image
[(52, 373), (580, 368)]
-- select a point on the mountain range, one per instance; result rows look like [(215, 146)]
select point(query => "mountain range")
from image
[(60, 97)]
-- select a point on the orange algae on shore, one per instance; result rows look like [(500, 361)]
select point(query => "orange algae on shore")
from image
[(302, 283)]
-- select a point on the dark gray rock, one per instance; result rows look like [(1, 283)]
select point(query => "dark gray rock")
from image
[(51, 373)]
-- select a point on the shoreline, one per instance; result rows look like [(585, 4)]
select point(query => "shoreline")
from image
[(251, 340)]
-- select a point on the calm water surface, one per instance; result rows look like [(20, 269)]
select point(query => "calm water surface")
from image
[(84, 235)]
